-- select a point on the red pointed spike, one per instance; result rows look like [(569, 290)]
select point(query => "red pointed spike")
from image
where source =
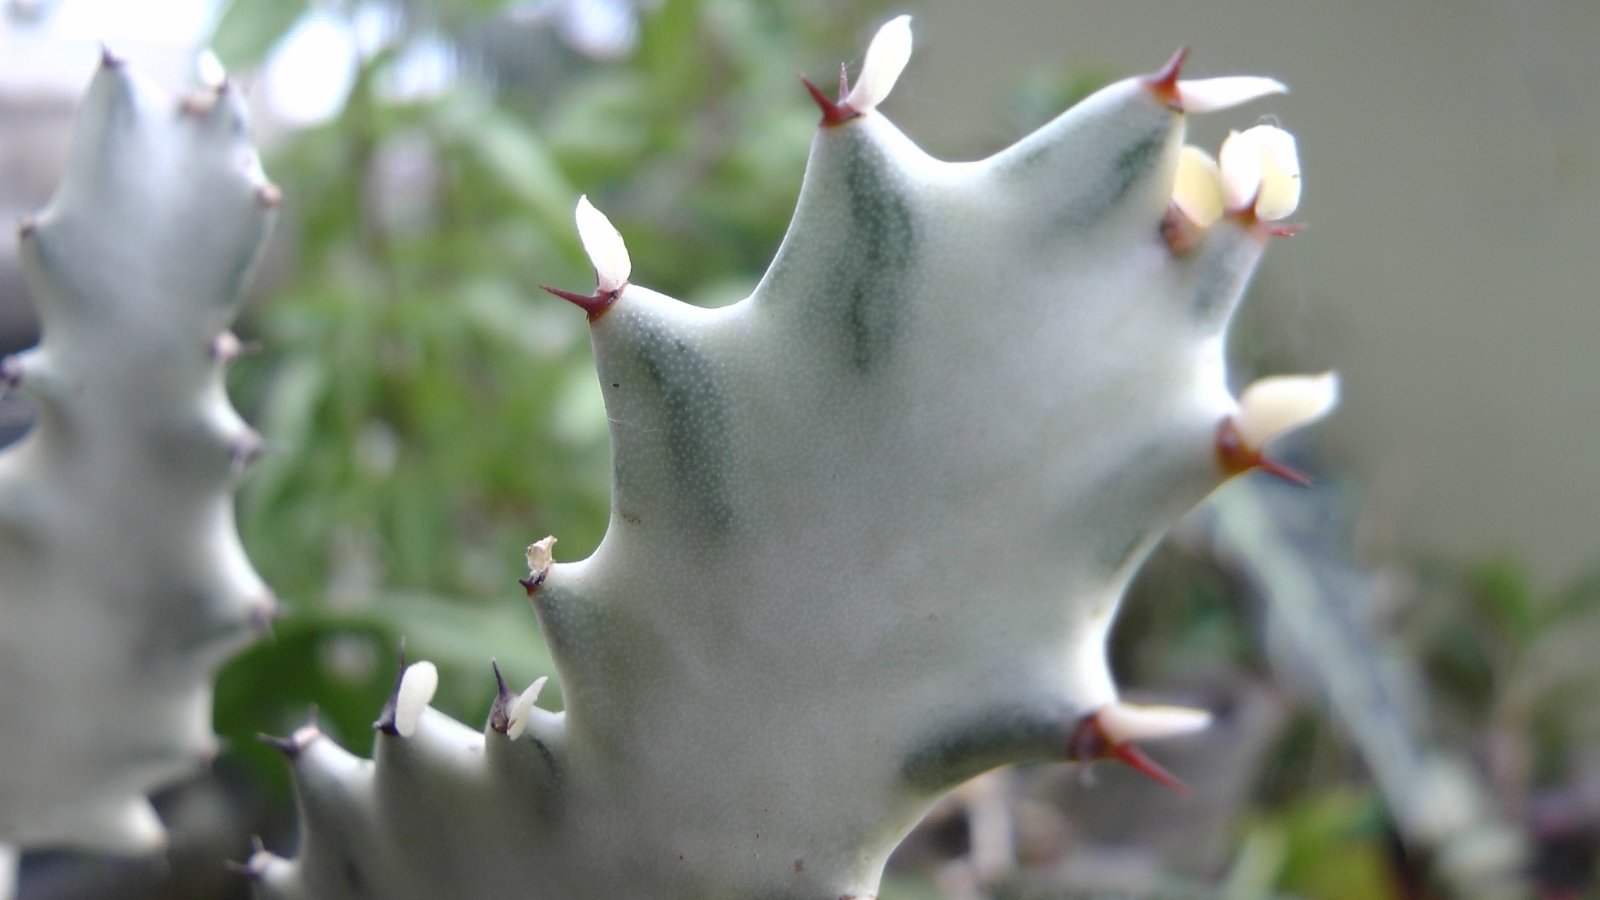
[(1286, 472), (832, 113), (1140, 762), (1163, 83), (595, 305), (1282, 230), (1236, 459)]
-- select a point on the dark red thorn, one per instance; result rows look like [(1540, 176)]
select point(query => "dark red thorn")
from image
[(196, 106), (1178, 232), (1129, 754), (1286, 472), (1089, 743), (243, 869), (386, 717), (1236, 459), (268, 195), (263, 613), (288, 746), (1284, 229), (244, 452), (1163, 83), (595, 305), (500, 710), (832, 113), (531, 583)]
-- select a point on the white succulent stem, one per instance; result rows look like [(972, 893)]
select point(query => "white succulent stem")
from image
[(123, 585), (869, 529), (10, 866)]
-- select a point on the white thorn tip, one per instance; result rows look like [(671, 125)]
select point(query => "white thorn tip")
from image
[(522, 709), (1274, 406), (1203, 95), (603, 243), (417, 687), (886, 58), (1197, 187), (1239, 163), (539, 557), (1124, 722), (1261, 168), (208, 69)]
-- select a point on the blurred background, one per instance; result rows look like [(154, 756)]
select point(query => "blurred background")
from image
[(1401, 657)]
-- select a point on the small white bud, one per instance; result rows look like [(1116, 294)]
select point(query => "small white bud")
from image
[(603, 243), (1239, 163), (1197, 187), (1203, 95), (209, 71), (517, 718), (1124, 722), (1261, 168), (417, 687), (539, 556), (1275, 406), (886, 58), (1280, 172)]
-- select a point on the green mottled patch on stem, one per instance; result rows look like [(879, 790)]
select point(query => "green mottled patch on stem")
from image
[(978, 743), (874, 267), (693, 413)]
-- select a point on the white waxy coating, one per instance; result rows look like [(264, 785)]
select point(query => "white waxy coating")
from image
[(1203, 95), (417, 687), (887, 56), (1123, 722), (517, 719), (603, 243), (1274, 406)]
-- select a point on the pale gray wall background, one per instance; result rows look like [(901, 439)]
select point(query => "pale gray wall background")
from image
[(1451, 265)]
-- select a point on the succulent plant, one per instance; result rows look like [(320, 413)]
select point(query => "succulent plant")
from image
[(123, 585), (870, 526)]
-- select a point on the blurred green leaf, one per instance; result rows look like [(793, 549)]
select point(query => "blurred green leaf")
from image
[(249, 29)]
